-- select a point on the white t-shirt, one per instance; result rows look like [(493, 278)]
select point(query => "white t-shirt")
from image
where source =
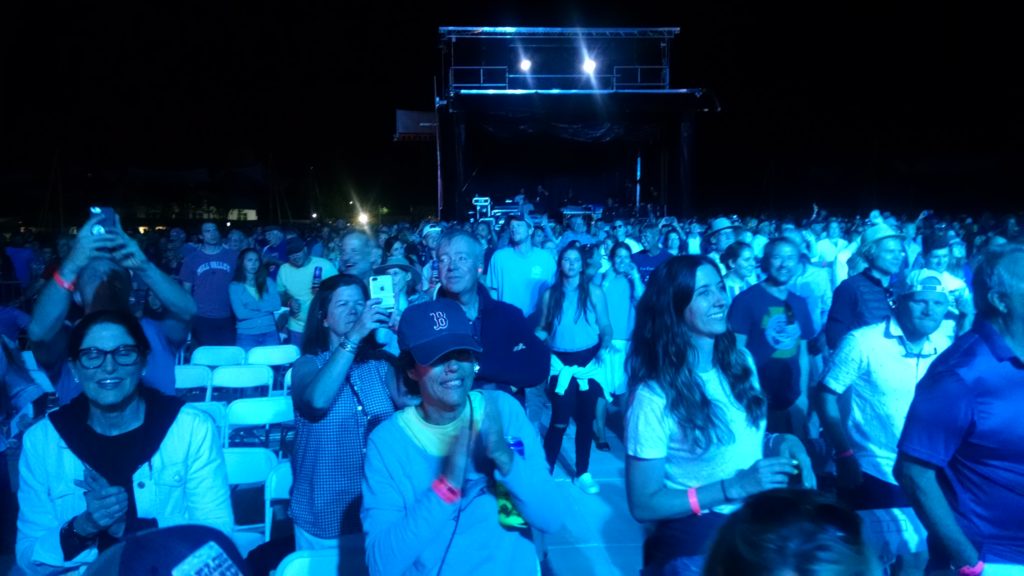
[(298, 282), (874, 362), (520, 279), (653, 433)]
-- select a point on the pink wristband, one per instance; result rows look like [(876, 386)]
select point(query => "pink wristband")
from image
[(450, 494), (691, 493), (975, 570)]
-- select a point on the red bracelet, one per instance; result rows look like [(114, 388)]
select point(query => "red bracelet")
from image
[(69, 286), (841, 455), (691, 493), (975, 570), (450, 494)]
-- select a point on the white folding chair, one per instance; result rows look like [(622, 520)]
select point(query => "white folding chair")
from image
[(38, 376), (286, 385), (265, 412), (240, 377), (306, 562), (218, 356), (190, 377), (278, 487), (218, 411), (280, 355), (248, 466)]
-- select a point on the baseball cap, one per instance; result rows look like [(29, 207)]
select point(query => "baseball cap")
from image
[(432, 329), (172, 551), (295, 245), (923, 280)]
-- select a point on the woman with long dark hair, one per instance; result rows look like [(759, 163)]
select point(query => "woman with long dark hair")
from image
[(342, 387), (574, 321), (695, 426), (254, 299)]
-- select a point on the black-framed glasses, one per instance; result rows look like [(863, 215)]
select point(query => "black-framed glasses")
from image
[(127, 355)]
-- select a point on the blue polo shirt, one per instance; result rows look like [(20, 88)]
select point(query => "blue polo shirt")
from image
[(966, 419)]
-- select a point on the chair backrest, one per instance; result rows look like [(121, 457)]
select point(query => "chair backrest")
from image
[(218, 411), (218, 356), (278, 487), (192, 377), (243, 376), (273, 355), (249, 465), (260, 411), (305, 562), (286, 384)]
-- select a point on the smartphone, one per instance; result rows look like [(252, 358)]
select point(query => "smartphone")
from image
[(381, 286), (106, 223)]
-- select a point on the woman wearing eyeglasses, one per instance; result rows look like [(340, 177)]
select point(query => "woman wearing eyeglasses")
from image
[(120, 458)]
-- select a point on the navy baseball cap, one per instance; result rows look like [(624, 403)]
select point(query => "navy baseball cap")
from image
[(432, 329)]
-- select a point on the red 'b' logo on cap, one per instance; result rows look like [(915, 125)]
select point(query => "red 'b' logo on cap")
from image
[(440, 320)]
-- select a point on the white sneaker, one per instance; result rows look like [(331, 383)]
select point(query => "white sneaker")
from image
[(586, 483)]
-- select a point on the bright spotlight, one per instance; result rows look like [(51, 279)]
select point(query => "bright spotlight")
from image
[(589, 66), (363, 218), (314, 215), (525, 64)]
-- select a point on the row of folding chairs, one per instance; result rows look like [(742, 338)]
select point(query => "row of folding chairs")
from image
[(254, 415), (213, 356), (190, 378)]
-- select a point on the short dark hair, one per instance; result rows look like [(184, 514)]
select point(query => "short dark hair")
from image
[(120, 318), (785, 530), (315, 339)]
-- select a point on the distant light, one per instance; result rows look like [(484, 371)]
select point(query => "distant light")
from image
[(589, 66), (314, 214), (228, 224), (525, 64), (363, 218)]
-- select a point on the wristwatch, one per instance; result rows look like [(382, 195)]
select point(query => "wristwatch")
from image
[(68, 529)]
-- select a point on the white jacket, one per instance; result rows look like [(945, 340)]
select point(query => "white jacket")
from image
[(184, 483)]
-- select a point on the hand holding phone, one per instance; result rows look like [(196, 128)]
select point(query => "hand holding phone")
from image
[(107, 221), (382, 287)]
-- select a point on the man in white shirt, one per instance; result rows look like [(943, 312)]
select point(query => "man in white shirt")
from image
[(519, 273), (298, 281), (881, 364)]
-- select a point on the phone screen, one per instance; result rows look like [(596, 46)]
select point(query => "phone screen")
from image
[(381, 286), (106, 223)]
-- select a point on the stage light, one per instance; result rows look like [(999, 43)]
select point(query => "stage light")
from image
[(363, 218), (589, 66), (314, 215), (525, 64)]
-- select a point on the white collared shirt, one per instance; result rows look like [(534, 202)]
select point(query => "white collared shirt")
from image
[(876, 362)]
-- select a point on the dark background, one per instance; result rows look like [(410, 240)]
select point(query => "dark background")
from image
[(854, 105)]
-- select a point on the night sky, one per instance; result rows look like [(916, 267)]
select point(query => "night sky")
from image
[(852, 104)]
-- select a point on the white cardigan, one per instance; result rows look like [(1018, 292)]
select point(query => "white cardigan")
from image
[(184, 483)]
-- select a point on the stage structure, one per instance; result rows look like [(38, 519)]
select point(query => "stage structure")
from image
[(569, 118)]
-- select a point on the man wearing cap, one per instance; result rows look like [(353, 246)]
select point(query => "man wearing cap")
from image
[(936, 253), (961, 453), (275, 252), (721, 234), (863, 299), (513, 358), (518, 273), (652, 255), (431, 277), (206, 274), (297, 281), (577, 232), (457, 484), (881, 365)]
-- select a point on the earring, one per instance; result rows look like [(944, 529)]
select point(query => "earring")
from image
[(476, 368)]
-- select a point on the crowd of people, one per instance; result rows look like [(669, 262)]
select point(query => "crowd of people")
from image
[(824, 392)]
